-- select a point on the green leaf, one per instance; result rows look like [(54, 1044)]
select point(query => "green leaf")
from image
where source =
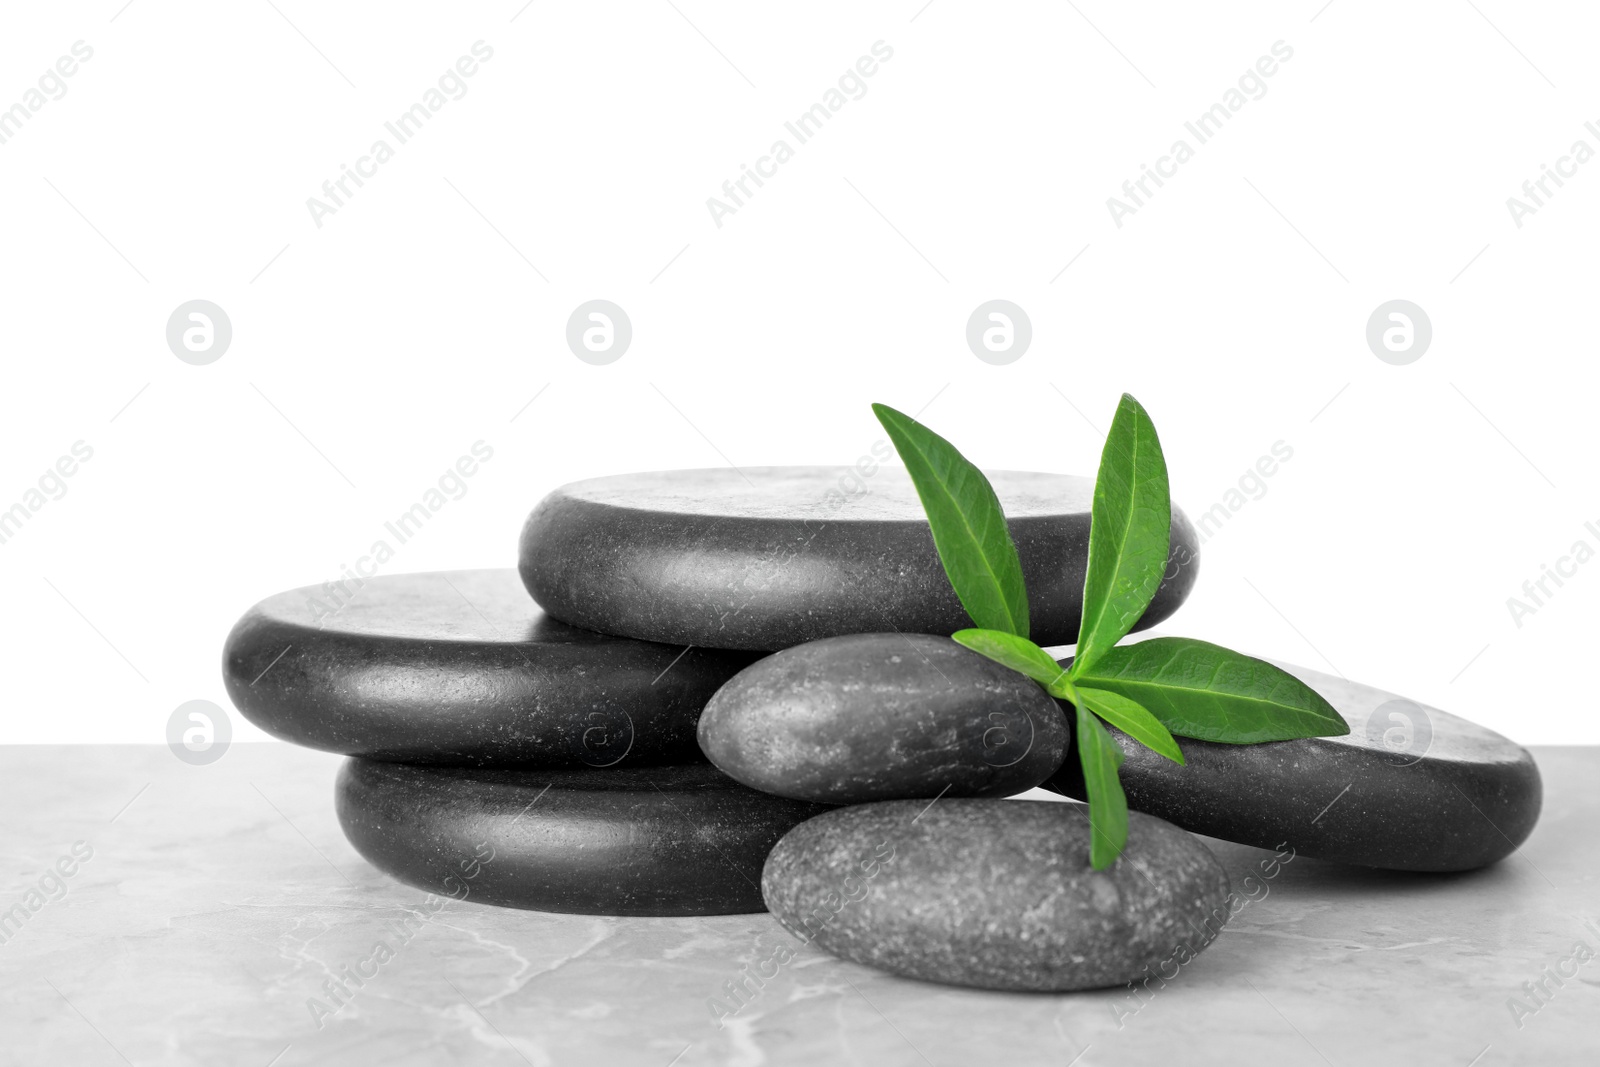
[(1131, 719), (1129, 533), (969, 529), (1211, 693), (1108, 805), (1018, 653)]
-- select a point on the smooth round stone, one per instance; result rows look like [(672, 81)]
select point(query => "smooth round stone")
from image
[(869, 717), (769, 557), (995, 894), (1410, 788), (684, 840), (461, 667)]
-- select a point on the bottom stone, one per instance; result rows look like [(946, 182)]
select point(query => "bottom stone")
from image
[(996, 894), (678, 840)]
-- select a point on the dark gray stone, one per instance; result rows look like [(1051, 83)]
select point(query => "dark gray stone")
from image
[(683, 840), (880, 717), (1410, 788), (995, 894), (462, 668), (766, 558)]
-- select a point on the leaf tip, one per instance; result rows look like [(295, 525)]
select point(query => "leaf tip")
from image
[(1327, 711)]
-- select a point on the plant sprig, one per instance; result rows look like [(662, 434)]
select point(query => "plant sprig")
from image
[(1150, 691)]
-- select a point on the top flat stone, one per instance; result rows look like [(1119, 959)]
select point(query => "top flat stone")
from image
[(770, 557), (791, 493)]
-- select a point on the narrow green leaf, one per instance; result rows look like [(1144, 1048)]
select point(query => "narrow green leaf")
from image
[(1108, 805), (1129, 533), (1132, 720), (1211, 693), (969, 529), (1018, 653)]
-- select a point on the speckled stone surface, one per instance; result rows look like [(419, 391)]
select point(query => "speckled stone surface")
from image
[(462, 668), (1409, 788), (683, 840), (768, 557), (994, 895), (221, 899), (880, 717)]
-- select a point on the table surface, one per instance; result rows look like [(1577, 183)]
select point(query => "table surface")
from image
[(219, 899)]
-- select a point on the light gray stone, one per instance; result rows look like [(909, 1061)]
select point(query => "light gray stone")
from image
[(995, 894), (883, 716)]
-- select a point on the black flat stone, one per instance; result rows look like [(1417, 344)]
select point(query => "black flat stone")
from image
[(770, 557), (683, 840), (847, 720), (462, 668), (1410, 788)]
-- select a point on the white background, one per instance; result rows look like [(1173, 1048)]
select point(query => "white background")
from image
[(374, 351)]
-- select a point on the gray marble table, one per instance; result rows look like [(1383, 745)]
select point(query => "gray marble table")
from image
[(217, 901)]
